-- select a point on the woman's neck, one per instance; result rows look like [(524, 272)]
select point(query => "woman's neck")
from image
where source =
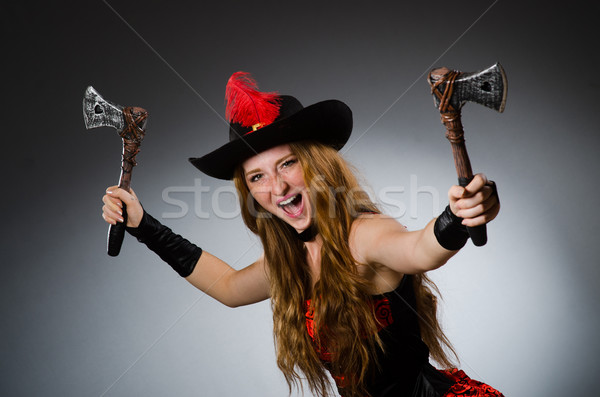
[(309, 234), (313, 257)]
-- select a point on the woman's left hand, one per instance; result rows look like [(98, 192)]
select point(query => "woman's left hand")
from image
[(477, 203)]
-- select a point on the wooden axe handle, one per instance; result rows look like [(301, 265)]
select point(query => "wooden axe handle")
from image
[(456, 136), (132, 134)]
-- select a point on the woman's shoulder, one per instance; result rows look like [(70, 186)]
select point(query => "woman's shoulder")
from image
[(368, 221), (370, 229), (369, 242)]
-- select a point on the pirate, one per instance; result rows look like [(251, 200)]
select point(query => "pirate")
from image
[(347, 284)]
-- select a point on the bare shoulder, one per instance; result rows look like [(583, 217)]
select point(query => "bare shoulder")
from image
[(371, 245), (369, 231), (366, 225)]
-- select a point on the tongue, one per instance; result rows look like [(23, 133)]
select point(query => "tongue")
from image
[(293, 207)]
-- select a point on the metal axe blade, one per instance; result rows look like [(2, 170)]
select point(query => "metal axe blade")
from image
[(98, 112), (487, 87)]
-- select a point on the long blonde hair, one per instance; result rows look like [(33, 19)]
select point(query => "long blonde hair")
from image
[(340, 299)]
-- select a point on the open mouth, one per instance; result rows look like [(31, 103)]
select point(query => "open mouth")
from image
[(292, 205)]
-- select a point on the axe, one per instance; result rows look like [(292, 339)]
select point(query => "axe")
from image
[(451, 89), (130, 123)]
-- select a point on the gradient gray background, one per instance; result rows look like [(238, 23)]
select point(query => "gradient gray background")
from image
[(522, 311)]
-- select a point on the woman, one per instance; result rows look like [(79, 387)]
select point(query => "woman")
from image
[(347, 284)]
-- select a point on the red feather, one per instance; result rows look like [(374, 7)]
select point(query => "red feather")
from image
[(248, 106)]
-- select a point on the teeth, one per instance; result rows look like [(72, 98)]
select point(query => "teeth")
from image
[(286, 202)]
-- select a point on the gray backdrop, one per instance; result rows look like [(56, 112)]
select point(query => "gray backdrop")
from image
[(521, 311)]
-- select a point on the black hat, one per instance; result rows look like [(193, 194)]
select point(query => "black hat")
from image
[(259, 121)]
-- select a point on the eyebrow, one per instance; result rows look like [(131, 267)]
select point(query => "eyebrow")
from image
[(276, 162)]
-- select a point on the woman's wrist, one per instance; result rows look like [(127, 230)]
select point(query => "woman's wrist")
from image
[(172, 248), (449, 230)]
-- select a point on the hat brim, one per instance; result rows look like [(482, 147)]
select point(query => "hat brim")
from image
[(328, 122)]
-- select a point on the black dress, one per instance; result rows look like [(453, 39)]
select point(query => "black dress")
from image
[(404, 369)]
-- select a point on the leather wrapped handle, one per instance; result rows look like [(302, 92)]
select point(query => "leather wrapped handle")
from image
[(132, 134), (455, 134)]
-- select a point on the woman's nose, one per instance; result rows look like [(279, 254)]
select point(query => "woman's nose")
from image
[(279, 186)]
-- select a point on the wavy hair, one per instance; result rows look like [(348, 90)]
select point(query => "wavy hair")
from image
[(344, 319)]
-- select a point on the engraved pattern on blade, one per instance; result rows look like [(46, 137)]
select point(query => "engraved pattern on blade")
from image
[(487, 87), (98, 112)]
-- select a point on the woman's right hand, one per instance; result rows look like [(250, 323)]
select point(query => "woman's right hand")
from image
[(112, 211)]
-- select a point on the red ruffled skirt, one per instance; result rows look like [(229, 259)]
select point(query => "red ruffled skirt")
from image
[(465, 386)]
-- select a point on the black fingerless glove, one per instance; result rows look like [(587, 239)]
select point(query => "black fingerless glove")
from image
[(449, 231), (172, 248)]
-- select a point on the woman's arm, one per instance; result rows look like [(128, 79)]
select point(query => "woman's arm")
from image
[(229, 286), (203, 270), (381, 240)]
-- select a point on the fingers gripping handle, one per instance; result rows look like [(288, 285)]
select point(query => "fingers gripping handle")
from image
[(116, 234), (478, 233)]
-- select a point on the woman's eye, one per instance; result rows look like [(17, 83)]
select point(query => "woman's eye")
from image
[(287, 163), (255, 178)]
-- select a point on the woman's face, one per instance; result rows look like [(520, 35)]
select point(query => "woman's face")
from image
[(276, 181)]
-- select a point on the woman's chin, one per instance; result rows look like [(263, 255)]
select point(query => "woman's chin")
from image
[(299, 223), (302, 223)]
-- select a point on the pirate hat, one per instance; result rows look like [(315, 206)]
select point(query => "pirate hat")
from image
[(261, 120)]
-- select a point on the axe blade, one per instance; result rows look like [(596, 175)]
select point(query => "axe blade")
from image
[(98, 112), (486, 87)]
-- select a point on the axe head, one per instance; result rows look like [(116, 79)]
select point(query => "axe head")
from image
[(487, 87), (98, 112)]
